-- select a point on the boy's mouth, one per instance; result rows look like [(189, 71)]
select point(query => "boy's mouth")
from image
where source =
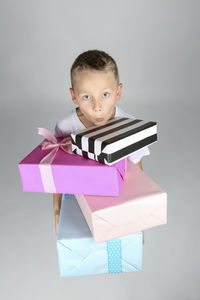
[(99, 119)]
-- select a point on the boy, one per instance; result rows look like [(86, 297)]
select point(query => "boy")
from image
[(95, 90)]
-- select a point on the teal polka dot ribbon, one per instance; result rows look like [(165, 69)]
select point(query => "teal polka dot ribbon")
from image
[(114, 256)]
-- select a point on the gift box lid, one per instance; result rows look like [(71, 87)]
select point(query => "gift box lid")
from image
[(115, 140)]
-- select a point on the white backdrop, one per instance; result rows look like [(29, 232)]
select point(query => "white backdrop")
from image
[(156, 46)]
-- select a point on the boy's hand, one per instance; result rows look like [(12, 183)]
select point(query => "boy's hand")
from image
[(139, 165)]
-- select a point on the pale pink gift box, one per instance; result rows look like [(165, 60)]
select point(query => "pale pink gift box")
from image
[(142, 204), (70, 174)]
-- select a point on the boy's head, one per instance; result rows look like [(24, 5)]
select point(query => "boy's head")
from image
[(95, 87)]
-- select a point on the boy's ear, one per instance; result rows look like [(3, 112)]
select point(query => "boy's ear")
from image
[(73, 96), (119, 92)]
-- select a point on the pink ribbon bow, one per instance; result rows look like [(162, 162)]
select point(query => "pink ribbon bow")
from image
[(52, 143)]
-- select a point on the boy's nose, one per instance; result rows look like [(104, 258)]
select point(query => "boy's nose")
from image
[(97, 106)]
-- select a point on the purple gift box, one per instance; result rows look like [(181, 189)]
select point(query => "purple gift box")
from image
[(70, 174)]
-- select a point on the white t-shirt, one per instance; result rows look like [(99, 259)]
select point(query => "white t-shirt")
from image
[(71, 123)]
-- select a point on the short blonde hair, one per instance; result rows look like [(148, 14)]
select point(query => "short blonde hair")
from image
[(93, 60)]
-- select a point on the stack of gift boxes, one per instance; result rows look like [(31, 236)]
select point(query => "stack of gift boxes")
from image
[(107, 200)]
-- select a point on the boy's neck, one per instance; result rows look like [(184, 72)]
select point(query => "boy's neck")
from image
[(85, 122)]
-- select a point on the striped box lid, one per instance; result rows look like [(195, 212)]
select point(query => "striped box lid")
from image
[(117, 139)]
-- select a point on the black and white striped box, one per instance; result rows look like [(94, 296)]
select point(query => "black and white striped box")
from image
[(117, 139)]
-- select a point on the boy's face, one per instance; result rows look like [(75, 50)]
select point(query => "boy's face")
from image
[(95, 93)]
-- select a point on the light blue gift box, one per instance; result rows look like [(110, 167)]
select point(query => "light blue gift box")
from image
[(79, 254)]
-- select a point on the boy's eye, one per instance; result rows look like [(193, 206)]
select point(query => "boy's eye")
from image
[(106, 95), (86, 97)]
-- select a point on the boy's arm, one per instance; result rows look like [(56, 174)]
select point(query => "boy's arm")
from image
[(139, 165), (56, 207)]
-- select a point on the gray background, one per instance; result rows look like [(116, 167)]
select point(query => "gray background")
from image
[(156, 45)]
